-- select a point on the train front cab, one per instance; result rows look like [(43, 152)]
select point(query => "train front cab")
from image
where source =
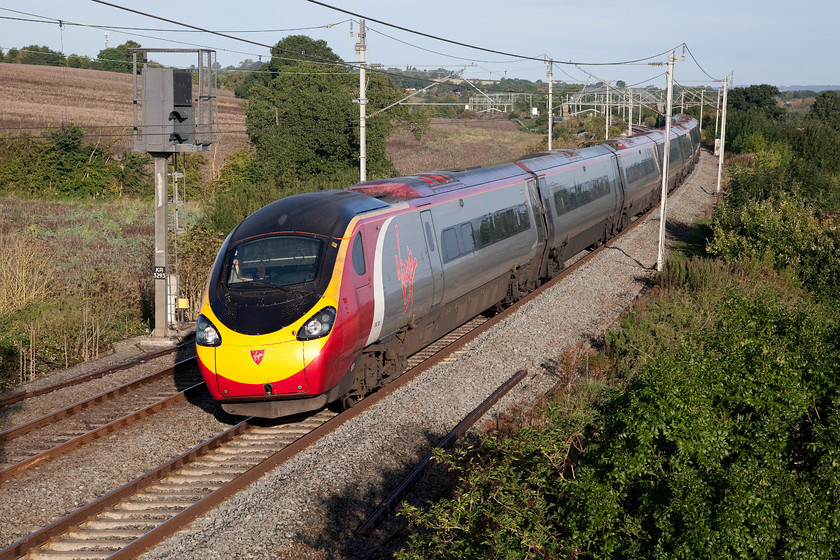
[(278, 330)]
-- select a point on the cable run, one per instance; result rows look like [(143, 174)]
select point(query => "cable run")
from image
[(691, 54), (467, 45), (440, 53)]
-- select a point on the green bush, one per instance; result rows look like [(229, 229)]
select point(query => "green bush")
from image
[(724, 444), (785, 234), (62, 165)]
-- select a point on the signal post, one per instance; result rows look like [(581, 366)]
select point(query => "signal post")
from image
[(173, 120)]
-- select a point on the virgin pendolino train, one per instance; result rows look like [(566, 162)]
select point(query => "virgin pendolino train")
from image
[(321, 297)]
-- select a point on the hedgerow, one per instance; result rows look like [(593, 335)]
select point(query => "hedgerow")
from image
[(786, 234), (723, 443), (61, 165)]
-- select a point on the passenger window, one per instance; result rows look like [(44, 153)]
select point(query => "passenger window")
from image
[(486, 231), (561, 201), (449, 241), (359, 255), (524, 222), (500, 226)]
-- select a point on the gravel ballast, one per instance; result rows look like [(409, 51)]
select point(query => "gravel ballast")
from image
[(310, 506)]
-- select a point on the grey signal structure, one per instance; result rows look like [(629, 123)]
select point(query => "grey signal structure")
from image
[(168, 112), (177, 117)]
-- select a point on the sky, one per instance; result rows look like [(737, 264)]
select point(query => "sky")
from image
[(753, 41)]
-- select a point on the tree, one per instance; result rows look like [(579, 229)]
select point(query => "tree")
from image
[(76, 61), (287, 52), (753, 111), (302, 119), (762, 97), (296, 49), (116, 59), (35, 54), (826, 108), (13, 56)]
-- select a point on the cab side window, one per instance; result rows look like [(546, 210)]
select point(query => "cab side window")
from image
[(358, 255)]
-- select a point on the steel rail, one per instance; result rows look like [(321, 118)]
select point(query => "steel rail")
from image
[(77, 407), (40, 537), (23, 395), (192, 512), (78, 441)]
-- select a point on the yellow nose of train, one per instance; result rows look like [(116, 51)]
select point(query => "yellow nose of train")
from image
[(244, 366)]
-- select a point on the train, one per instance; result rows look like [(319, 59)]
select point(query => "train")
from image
[(320, 298)]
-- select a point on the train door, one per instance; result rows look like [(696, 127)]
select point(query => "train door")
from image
[(434, 256), (537, 209), (545, 205), (363, 312), (620, 186)]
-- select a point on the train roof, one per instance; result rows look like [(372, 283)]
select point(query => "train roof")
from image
[(324, 213), (630, 142), (556, 158), (423, 185)]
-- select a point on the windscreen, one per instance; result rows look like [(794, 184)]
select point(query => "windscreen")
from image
[(277, 261)]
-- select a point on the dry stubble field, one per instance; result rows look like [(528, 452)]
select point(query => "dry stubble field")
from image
[(33, 98)]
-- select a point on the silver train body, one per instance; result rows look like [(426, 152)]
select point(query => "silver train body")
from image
[(405, 260)]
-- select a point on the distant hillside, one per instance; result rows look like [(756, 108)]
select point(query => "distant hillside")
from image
[(34, 97), (809, 88)]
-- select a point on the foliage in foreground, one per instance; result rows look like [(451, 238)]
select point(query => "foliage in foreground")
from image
[(75, 279), (723, 444)]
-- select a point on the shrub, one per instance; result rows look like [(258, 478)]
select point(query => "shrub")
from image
[(723, 444), (74, 278), (785, 234), (25, 272), (62, 165), (197, 250)]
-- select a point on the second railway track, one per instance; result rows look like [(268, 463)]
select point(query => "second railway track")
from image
[(150, 507)]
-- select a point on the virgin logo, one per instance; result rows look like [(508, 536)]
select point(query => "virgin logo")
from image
[(257, 356), (405, 272)]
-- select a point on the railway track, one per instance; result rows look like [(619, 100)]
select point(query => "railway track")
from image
[(52, 435), (19, 396), (122, 523), (130, 519), (133, 518)]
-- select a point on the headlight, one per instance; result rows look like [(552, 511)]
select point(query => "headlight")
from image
[(319, 325), (206, 333)]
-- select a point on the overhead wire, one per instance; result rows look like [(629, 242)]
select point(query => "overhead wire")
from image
[(308, 57), (476, 47), (691, 54), (440, 53), (226, 34), (351, 65)]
